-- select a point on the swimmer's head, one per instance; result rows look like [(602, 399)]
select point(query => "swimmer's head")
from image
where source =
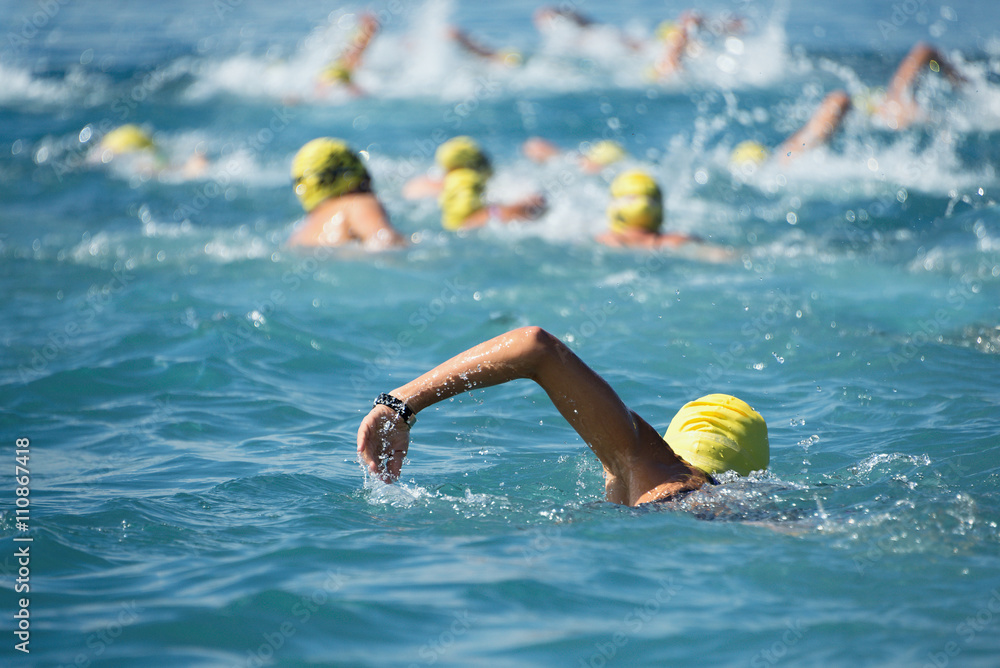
[(868, 100), (462, 153), (604, 153), (509, 57), (637, 203), (326, 168), (127, 139), (667, 31), (719, 433), (336, 72), (461, 196), (749, 153)]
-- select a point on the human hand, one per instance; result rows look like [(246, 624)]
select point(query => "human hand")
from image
[(383, 440)]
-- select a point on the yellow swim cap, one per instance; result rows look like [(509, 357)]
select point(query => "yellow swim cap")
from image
[(510, 57), (720, 433), (637, 204), (605, 152), (461, 196), (462, 152), (749, 153), (666, 30), (869, 100), (127, 139), (326, 168), (336, 72)]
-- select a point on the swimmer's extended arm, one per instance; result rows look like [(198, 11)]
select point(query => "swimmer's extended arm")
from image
[(529, 208), (899, 107), (818, 130), (677, 43), (620, 438), (919, 57), (468, 44), (367, 27)]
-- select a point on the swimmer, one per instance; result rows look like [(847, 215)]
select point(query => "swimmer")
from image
[(678, 38), (592, 160), (461, 192), (340, 71), (550, 20), (334, 188), (508, 57), (545, 18), (899, 108), (817, 131), (706, 437), (635, 215), (133, 144), (822, 125)]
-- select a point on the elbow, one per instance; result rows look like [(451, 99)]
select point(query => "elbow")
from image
[(536, 338), (539, 346)]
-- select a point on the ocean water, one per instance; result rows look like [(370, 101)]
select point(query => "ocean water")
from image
[(191, 388)]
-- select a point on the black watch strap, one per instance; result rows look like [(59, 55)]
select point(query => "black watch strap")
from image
[(402, 410)]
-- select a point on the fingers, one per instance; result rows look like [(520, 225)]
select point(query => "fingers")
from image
[(371, 441), (382, 446)]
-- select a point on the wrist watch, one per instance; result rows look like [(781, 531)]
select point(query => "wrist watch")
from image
[(404, 412)]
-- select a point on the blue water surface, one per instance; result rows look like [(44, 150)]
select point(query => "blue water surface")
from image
[(192, 388)]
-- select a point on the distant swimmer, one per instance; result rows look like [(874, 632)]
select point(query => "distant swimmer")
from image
[(562, 19), (896, 108), (461, 192), (680, 38), (817, 131), (635, 220), (708, 436), (135, 146), (340, 71), (635, 215), (335, 190), (899, 107), (591, 160), (547, 17), (508, 57)]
